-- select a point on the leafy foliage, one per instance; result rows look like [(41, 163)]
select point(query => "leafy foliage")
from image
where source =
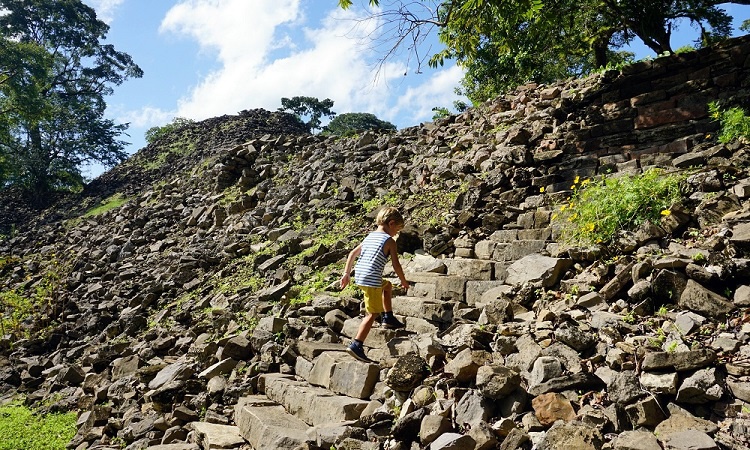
[(22, 428), (735, 123), (155, 133), (599, 209), (54, 74), (503, 44), (309, 107), (349, 124)]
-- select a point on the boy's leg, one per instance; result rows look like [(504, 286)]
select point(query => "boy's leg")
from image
[(388, 319), (364, 327), (387, 297), (355, 348)]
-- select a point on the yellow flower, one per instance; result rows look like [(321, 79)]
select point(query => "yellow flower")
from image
[(586, 181), (541, 189), (578, 178), (590, 227), (666, 212), (554, 216), (562, 208)]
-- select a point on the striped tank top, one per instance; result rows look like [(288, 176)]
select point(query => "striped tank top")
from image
[(369, 268)]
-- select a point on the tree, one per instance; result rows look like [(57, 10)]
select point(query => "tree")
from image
[(310, 107), (349, 124), (54, 74), (504, 43)]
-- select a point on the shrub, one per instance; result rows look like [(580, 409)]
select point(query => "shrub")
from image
[(22, 428), (598, 210), (155, 133), (735, 124)]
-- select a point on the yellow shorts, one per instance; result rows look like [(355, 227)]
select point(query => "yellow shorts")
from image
[(374, 297)]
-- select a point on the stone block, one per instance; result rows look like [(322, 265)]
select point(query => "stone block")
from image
[(213, 435), (354, 378), (475, 291), (516, 250), (313, 405), (312, 349), (537, 268), (474, 269), (450, 288), (423, 308), (267, 426), (504, 236), (377, 338)]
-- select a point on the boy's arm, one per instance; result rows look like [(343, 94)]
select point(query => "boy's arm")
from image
[(392, 250), (349, 264)]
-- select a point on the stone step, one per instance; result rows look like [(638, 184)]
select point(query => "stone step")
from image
[(313, 405), (341, 373), (508, 251), (266, 425), (378, 336), (432, 310), (446, 287)]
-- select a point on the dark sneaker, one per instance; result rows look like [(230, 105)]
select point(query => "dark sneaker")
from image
[(392, 323), (358, 352)]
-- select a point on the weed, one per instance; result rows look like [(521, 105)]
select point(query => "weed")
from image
[(735, 124), (662, 312), (629, 317), (23, 428), (699, 257), (598, 210)]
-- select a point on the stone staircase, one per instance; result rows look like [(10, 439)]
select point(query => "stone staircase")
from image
[(326, 396), (328, 393)]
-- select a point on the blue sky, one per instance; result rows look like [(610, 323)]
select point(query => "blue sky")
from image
[(206, 58)]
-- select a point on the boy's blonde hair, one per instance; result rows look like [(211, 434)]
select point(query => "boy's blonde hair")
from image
[(388, 213)]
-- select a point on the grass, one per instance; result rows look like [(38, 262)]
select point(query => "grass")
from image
[(22, 428), (113, 202), (598, 210)]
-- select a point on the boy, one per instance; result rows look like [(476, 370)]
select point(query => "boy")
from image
[(371, 256)]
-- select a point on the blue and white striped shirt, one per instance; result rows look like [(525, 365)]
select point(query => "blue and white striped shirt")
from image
[(369, 268)]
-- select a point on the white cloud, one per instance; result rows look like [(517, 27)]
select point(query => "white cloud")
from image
[(146, 117), (105, 9), (437, 90), (267, 50)]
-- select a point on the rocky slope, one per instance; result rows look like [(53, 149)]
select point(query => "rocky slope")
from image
[(203, 313)]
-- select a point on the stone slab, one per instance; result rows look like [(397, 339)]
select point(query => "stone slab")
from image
[(267, 426), (311, 404)]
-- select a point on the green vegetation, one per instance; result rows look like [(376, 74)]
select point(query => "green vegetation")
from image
[(242, 275), (23, 428), (598, 210), (310, 107), (349, 124), (113, 202), (56, 72), (430, 207), (735, 123), (501, 45), (155, 133), (22, 307)]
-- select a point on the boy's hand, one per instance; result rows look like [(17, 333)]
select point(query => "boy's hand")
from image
[(405, 285), (344, 280)]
